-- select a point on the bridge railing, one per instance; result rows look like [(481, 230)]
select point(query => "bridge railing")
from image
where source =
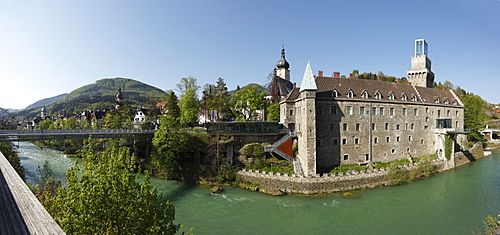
[(74, 131)]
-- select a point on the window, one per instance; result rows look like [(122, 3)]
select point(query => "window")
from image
[(386, 126), (410, 138), (406, 126), (375, 140), (335, 94), (426, 119), (448, 113), (332, 127), (356, 141), (404, 111), (437, 100), (411, 126), (350, 94), (456, 124), (362, 110), (443, 123), (374, 110), (422, 141), (349, 110), (414, 98), (335, 141), (344, 127), (408, 150), (456, 113), (364, 95), (357, 126), (373, 126), (346, 157), (393, 151), (391, 96), (344, 141), (381, 112), (426, 127), (367, 157), (404, 97), (391, 111), (427, 110), (333, 109), (378, 96), (415, 112), (291, 112), (320, 110), (439, 113), (387, 139), (398, 139), (397, 127)]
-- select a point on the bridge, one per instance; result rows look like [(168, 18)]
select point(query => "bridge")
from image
[(62, 134)]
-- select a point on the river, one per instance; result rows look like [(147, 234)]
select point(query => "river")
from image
[(453, 202)]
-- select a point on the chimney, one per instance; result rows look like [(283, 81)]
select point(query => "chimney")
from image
[(336, 74), (379, 78), (350, 75), (444, 88), (409, 83), (397, 80), (320, 73), (294, 85)]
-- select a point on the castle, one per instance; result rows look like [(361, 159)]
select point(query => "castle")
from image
[(335, 121)]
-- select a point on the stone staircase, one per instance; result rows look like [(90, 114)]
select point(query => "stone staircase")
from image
[(274, 148)]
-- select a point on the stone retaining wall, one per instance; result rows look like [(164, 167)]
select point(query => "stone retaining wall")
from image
[(325, 183), (467, 156)]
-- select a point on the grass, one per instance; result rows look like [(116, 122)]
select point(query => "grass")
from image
[(272, 164)]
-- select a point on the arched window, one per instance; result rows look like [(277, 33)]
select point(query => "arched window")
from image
[(391, 96), (364, 94), (404, 97), (335, 93), (350, 94), (378, 96)]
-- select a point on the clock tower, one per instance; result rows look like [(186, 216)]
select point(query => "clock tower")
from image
[(420, 73), (282, 66)]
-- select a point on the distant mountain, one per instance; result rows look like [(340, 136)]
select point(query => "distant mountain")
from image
[(98, 96), (45, 101)]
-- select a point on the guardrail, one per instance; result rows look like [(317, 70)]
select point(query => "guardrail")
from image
[(74, 131)]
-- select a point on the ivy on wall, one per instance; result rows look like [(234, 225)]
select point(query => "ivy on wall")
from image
[(448, 146)]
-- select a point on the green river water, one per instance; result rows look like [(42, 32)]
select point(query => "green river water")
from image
[(453, 202)]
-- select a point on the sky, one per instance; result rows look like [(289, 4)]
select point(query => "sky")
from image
[(52, 47)]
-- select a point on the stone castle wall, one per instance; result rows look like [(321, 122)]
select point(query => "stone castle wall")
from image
[(467, 156), (325, 183)]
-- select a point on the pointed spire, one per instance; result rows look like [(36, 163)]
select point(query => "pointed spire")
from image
[(308, 81)]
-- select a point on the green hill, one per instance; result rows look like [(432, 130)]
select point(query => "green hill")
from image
[(99, 95)]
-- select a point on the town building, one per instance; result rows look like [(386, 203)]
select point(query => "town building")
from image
[(336, 121)]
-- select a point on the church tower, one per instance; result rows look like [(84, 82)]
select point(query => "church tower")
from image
[(420, 73), (282, 66)]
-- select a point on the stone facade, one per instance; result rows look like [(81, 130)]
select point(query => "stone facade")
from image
[(355, 121)]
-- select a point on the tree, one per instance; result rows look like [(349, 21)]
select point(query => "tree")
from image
[(216, 97), (273, 112), (171, 110), (189, 106), (186, 84), (474, 115), (118, 119), (102, 197), (247, 101), (6, 119), (45, 124)]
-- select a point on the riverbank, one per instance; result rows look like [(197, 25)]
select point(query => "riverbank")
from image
[(279, 184)]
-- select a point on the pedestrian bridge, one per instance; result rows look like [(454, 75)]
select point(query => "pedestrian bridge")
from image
[(62, 134)]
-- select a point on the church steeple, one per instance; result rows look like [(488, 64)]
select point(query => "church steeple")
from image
[(282, 66)]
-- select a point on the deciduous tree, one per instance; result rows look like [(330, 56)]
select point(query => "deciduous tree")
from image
[(247, 101)]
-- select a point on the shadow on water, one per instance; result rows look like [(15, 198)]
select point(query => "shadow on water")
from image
[(179, 191)]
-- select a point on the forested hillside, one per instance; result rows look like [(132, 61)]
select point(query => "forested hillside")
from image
[(99, 95)]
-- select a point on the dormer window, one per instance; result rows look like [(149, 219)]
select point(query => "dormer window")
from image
[(437, 101), (414, 98), (391, 96), (335, 93), (446, 101), (404, 97), (350, 94), (378, 96), (364, 94)]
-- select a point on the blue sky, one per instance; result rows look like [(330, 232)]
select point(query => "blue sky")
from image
[(52, 47)]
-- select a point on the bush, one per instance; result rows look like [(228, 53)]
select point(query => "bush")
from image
[(252, 150)]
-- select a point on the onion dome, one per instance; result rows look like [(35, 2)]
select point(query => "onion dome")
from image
[(282, 63)]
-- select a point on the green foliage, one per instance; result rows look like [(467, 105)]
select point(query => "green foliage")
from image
[(186, 84), (349, 167), (118, 119), (247, 101), (189, 106), (397, 175), (448, 146), (99, 96), (475, 109), (102, 197), (252, 150), (45, 124), (8, 151), (48, 185), (216, 97), (273, 112), (490, 225)]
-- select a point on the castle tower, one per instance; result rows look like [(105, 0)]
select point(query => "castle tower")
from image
[(306, 121), (282, 66), (420, 73)]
